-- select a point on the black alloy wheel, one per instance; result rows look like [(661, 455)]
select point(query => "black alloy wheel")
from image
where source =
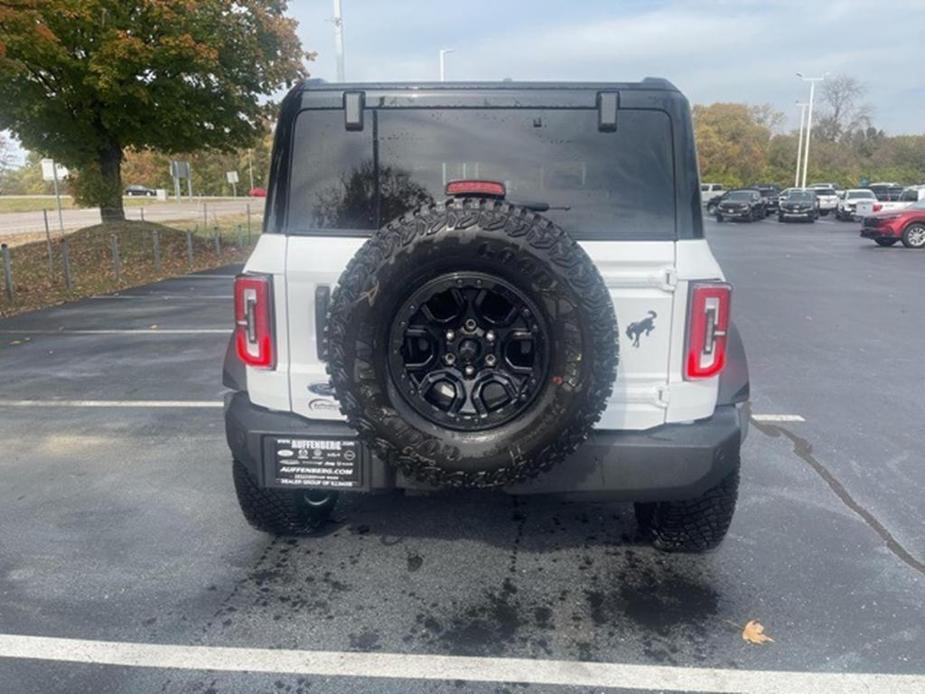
[(467, 351)]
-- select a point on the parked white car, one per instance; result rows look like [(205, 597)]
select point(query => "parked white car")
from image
[(826, 198), (710, 192), (910, 195), (847, 206)]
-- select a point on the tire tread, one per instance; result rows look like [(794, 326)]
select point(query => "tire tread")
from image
[(572, 266)]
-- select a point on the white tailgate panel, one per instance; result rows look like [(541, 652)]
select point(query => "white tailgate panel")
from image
[(312, 261), (640, 276)]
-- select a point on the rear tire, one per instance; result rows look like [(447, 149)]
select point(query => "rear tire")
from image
[(280, 511), (914, 235), (886, 242), (719, 218), (693, 525), (780, 218)]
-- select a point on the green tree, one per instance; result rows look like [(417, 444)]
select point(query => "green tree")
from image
[(5, 161), (27, 178), (732, 141), (84, 80)]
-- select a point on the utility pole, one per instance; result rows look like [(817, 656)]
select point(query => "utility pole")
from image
[(796, 178), (250, 166), (58, 197), (443, 52), (809, 119), (339, 40)]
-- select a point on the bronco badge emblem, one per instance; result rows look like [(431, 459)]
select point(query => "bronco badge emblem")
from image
[(635, 330)]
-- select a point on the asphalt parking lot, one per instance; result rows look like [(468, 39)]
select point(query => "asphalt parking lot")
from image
[(120, 524)]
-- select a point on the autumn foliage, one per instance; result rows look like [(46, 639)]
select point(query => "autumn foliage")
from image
[(84, 80), (740, 144)]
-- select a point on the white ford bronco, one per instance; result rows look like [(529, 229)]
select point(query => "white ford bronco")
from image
[(494, 285)]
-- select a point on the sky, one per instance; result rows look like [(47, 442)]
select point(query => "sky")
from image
[(713, 50)]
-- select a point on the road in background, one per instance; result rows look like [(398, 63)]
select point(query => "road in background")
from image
[(120, 523), (190, 212)]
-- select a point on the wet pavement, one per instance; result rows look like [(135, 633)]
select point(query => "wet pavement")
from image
[(120, 524)]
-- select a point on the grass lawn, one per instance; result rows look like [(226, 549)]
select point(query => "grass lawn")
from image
[(91, 261)]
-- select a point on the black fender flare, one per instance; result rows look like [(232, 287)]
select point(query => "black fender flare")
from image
[(733, 381), (234, 373)]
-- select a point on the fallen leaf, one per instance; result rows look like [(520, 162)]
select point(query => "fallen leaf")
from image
[(754, 633), (153, 327)]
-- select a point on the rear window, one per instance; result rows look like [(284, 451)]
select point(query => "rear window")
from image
[(887, 193), (743, 195), (599, 185), (825, 191), (909, 195)]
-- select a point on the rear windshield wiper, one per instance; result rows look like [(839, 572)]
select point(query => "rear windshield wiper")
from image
[(540, 206)]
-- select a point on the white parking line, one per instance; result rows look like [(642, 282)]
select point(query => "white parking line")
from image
[(134, 331), (777, 418), (112, 403), (443, 667)]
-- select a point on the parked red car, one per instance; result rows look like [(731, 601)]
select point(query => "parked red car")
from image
[(257, 192), (906, 225)]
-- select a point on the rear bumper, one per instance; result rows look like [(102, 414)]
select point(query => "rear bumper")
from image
[(674, 461), (879, 232), (734, 214)]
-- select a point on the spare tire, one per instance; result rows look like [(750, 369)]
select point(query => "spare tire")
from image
[(472, 343)]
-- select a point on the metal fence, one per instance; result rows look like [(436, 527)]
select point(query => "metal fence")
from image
[(70, 267)]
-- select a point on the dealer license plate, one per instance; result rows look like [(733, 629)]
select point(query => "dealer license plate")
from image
[(317, 462)]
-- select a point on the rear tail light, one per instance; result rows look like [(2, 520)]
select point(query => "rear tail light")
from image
[(707, 329), (491, 189), (253, 320), (877, 207)]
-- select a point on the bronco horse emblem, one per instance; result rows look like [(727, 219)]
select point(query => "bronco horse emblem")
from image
[(645, 326)]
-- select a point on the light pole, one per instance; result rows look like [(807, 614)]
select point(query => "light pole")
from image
[(339, 39), (809, 119), (796, 178), (443, 52)]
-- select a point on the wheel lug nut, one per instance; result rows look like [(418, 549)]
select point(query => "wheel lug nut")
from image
[(449, 358), (470, 371), (450, 335), (490, 359), (490, 336), (470, 324)]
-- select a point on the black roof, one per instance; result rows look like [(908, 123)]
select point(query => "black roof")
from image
[(647, 84)]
